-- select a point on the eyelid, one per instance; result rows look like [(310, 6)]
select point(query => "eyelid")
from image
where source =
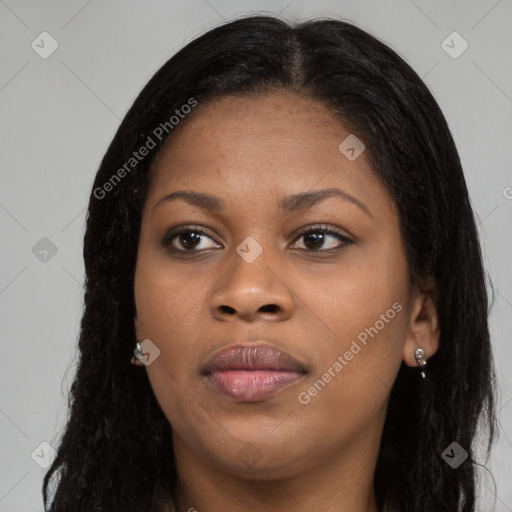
[(326, 228)]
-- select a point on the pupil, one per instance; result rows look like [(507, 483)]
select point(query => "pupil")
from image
[(186, 237), (317, 240)]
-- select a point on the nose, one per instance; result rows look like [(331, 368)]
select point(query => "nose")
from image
[(252, 291)]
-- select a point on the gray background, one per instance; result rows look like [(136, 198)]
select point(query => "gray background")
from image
[(59, 114)]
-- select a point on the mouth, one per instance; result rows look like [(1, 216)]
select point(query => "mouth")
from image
[(252, 373)]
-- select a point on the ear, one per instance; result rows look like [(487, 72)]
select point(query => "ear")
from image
[(136, 323), (423, 330)]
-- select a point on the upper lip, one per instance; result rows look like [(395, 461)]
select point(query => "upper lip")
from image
[(253, 357)]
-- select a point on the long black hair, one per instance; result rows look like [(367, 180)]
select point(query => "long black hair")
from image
[(116, 451)]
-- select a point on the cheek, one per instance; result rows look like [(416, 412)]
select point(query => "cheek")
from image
[(355, 299), (168, 312), (354, 373), (167, 296), (359, 315)]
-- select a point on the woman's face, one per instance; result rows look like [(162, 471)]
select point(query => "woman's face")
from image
[(338, 304)]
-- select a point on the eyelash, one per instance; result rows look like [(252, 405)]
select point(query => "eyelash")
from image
[(320, 228)]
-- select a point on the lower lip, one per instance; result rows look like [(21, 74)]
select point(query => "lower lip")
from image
[(251, 385)]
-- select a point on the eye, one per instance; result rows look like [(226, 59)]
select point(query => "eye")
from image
[(190, 239), (317, 236), (186, 239)]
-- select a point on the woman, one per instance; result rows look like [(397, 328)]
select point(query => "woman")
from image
[(280, 234)]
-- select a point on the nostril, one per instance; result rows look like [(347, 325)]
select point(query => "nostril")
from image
[(227, 309), (269, 308)]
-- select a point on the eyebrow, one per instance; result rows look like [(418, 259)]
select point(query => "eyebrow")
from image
[(289, 204)]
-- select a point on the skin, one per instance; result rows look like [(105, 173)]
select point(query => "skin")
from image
[(251, 152)]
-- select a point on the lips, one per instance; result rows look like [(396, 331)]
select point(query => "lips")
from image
[(252, 373), (256, 357)]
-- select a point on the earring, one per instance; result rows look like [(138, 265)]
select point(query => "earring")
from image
[(135, 360), (419, 355)]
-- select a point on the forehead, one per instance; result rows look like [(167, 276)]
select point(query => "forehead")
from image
[(263, 124), (268, 145)]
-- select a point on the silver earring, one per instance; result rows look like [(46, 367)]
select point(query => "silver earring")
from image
[(419, 355), (135, 360)]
